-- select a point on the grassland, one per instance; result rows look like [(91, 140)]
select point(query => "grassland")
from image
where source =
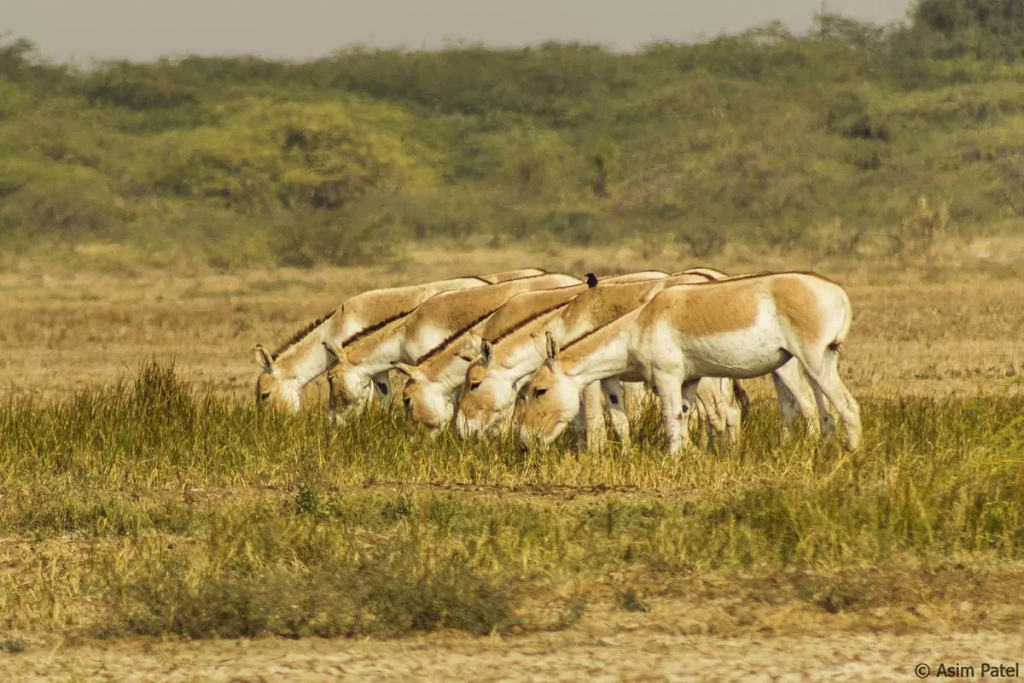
[(158, 220), (164, 506)]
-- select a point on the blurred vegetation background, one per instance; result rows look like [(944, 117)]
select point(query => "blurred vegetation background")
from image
[(851, 139)]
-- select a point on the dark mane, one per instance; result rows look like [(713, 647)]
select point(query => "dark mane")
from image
[(366, 331), (523, 323), (580, 338), (301, 334), (443, 345)]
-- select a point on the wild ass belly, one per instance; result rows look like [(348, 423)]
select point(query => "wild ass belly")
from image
[(740, 354)]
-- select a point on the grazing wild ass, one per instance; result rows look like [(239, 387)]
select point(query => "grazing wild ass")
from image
[(365, 360), (738, 328), (302, 359), (507, 361), (435, 378)]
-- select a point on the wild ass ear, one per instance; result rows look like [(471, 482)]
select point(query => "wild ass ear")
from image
[(551, 346), (486, 351), (264, 358), (409, 371), (471, 347), (591, 280), (333, 354)]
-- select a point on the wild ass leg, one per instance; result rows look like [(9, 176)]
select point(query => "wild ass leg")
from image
[(615, 399), (795, 399), (667, 387), (825, 380), (593, 410), (733, 411), (716, 394), (634, 398), (690, 403), (730, 414)]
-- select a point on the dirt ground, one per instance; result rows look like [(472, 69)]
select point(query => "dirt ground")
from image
[(632, 656)]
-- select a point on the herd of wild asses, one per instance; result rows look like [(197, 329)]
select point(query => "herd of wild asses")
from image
[(546, 350)]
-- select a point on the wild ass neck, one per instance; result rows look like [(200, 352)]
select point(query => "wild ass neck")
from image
[(376, 353), (304, 360), (602, 353)]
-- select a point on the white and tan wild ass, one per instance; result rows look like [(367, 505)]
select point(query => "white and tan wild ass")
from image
[(364, 362), (493, 382), (739, 328), (287, 371)]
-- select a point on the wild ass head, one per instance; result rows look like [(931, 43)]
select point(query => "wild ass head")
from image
[(552, 401), (488, 394), (428, 395), (273, 389), (349, 387)]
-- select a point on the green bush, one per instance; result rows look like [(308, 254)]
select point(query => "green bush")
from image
[(762, 138)]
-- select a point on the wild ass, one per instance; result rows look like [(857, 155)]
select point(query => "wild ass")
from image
[(739, 328), (365, 360), (507, 361), (494, 381), (287, 371), (434, 379)]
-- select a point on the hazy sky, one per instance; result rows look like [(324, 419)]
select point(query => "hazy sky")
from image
[(146, 29)]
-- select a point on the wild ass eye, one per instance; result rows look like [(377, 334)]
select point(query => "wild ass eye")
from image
[(474, 386), (539, 392)]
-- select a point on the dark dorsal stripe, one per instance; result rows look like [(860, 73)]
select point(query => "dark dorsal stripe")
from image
[(580, 338), (443, 345), (373, 328), (301, 334), (523, 323)]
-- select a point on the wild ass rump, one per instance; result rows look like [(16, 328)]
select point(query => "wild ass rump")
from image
[(286, 372), (436, 376), (738, 328), (366, 359)]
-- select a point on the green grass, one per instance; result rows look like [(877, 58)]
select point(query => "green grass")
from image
[(149, 509)]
